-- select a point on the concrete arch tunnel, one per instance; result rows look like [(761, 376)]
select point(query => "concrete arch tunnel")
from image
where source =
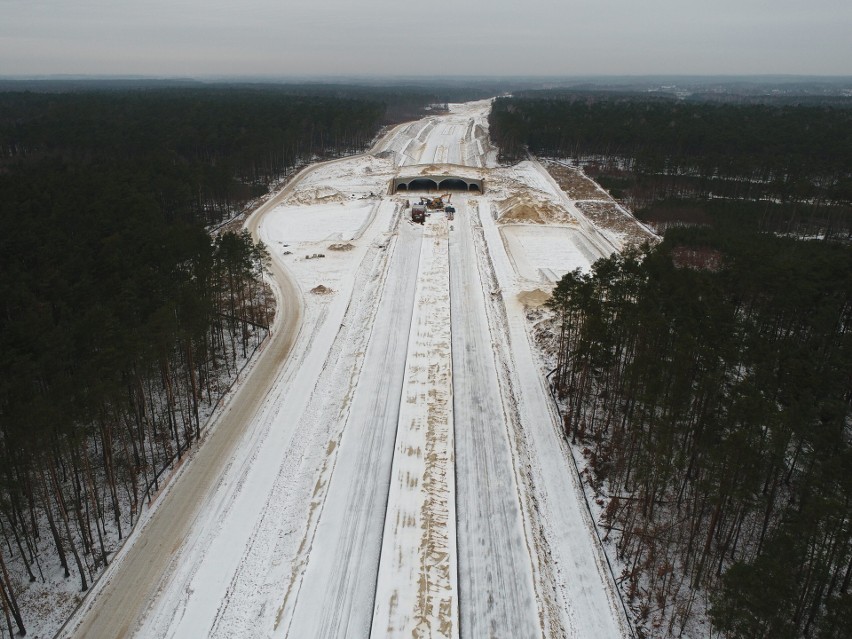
[(437, 183)]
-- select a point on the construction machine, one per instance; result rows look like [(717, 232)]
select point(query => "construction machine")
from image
[(418, 213), (436, 203)]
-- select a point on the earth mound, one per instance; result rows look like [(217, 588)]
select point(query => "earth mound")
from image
[(320, 195), (523, 209), (321, 290), (533, 298)]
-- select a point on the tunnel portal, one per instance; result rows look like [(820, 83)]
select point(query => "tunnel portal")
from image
[(437, 183)]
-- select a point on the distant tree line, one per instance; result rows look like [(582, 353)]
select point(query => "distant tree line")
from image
[(648, 150), (121, 319), (784, 144), (709, 382), (769, 92), (401, 102), (205, 153)]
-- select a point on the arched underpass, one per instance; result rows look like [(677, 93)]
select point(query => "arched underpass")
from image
[(437, 183)]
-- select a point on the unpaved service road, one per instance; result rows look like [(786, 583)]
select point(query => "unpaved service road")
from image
[(127, 590)]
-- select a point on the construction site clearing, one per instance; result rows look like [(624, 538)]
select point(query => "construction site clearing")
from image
[(420, 210), (611, 216)]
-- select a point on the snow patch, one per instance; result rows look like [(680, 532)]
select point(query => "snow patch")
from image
[(291, 224)]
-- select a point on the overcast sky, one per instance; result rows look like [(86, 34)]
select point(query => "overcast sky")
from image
[(433, 37)]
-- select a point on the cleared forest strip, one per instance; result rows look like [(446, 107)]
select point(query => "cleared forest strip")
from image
[(577, 593), (574, 182)]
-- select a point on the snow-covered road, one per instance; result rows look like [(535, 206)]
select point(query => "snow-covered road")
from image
[(401, 472), (583, 601), (416, 592), (460, 138), (334, 597), (495, 571)]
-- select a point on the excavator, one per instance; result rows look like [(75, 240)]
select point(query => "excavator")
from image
[(436, 203)]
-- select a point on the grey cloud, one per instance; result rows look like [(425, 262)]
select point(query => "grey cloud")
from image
[(178, 37)]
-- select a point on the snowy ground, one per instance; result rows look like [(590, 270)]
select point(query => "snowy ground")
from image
[(545, 253), (330, 222), (55, 599), (404, 474)]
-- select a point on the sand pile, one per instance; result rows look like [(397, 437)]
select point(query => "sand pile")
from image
[(533, 298), (321, 290), (341, 247), (524, 209), (319, 195)]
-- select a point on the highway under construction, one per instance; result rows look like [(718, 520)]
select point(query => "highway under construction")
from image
[(398, 469)]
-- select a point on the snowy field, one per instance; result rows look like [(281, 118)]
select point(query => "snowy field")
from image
[(543, 254), (404, 475), (321, 222)]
